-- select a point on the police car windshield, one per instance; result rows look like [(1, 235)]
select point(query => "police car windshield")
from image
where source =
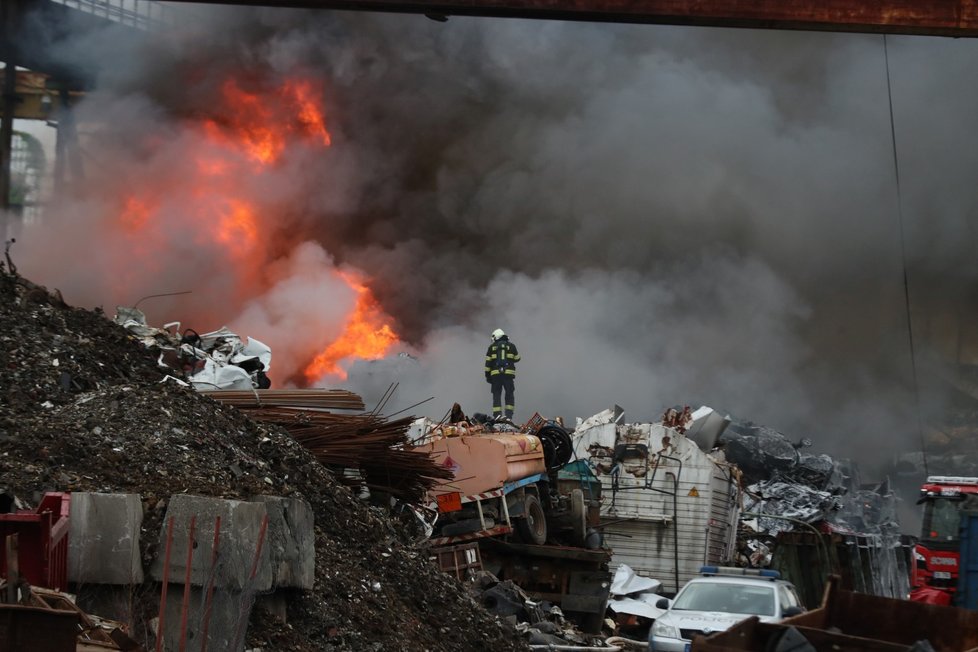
[(726, 597)]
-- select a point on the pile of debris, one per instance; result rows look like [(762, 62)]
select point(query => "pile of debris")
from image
[(232, 371), (541, 622), (788, 491), (83, 409), (215, 360)]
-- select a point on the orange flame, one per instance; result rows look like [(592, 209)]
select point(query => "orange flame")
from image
[(217, 202), (135, 214), (237, 227), (261, 125), (310, 116), (368, 335)]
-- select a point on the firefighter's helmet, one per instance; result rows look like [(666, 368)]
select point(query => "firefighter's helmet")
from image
[(496, 334)]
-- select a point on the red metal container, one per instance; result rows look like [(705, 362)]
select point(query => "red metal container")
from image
[(42, 540), (37, 629)]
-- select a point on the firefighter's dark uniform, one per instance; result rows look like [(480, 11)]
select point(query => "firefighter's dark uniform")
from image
[(501, 359)]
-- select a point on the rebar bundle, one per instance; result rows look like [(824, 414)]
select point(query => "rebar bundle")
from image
[(367, 441), (323, 399)]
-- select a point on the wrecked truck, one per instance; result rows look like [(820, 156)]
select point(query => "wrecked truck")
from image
[(506, 481), (518, 507), (670, 501)]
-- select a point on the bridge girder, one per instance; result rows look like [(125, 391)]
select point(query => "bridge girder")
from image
[(955, 18)]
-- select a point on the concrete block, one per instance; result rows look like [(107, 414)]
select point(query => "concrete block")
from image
[(223, 618), (103, 539), (238, 542), (291, 541)]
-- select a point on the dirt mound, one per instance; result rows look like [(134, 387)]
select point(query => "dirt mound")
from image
[(83, 409)]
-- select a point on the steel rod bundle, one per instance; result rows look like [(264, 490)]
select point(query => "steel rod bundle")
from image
[(366, 441), (324, 399), (375, 446)]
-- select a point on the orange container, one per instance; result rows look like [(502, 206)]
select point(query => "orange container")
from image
[(484, 462)]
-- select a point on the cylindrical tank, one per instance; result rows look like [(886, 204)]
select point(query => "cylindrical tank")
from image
[(485, 462)]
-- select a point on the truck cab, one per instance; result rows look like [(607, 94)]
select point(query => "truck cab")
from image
[(937, 554)]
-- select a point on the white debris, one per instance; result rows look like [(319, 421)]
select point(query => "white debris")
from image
[(627, 582), (634, 594), (216, 360), (642, 604)]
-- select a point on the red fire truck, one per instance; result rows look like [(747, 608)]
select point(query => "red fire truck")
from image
[(936, 555)]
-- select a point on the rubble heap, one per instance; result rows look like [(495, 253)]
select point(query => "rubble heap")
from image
[(83, 409), (791, 491)]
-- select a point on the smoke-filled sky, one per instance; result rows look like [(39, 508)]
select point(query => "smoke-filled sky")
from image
[(656, 215)]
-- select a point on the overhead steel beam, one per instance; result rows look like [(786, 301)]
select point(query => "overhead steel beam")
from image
[(957, 18)]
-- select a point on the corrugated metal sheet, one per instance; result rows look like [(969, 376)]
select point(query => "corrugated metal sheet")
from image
[(640, 467)]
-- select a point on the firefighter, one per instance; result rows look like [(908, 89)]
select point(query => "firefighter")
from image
[(501, 359)]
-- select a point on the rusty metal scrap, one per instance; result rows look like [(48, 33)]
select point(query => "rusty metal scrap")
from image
[(93, 632), (375, 446), (366, 441), (677, 420), (313, 399)]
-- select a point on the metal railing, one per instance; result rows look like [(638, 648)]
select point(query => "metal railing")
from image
[(140, 14)]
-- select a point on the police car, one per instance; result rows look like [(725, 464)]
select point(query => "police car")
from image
[(720, 598)]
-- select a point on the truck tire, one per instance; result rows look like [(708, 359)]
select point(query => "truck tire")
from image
[(557, 446), (532, 527)]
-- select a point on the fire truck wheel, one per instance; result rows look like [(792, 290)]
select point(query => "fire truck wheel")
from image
[(532, 528)]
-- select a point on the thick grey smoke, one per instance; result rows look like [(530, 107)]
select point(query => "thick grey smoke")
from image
[(656, 215)]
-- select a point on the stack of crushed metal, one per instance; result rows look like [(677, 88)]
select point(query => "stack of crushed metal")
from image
[(811, 511)]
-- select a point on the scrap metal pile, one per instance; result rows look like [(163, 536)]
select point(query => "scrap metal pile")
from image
[(786, 486), (788, 491)]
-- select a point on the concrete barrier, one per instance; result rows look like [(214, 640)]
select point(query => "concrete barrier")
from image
[(291, 542), (103, 539), (239, 534), (288, 552)]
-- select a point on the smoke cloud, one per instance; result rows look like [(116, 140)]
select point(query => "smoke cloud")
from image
[(656, 215)]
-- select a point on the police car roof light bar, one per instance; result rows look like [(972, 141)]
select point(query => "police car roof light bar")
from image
[(731, 570)]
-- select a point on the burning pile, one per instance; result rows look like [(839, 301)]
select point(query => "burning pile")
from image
[(202, 219), (83, 410)]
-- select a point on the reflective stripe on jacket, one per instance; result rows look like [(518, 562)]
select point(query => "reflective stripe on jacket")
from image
[(501, 358)]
